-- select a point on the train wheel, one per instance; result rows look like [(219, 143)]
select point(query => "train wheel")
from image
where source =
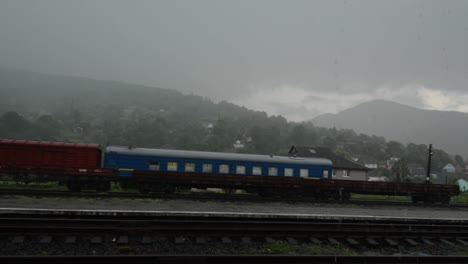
[(428, 199), (143, 188), (169, 189), (103, 186), (345, 196), (74, 186), (445, 199)]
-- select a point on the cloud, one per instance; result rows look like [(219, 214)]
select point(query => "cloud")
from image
[(298, 103), (443, 100)]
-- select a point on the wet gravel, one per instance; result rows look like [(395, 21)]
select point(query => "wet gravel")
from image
[(230, 207), (166, 245)]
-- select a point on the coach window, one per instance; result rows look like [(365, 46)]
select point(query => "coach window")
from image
[(189, 167), (273, 171), (172, 166), (240, 169), (333, 173), (256, 170), (304, 173), (288, 172), (207, 168), (223, 168), (154, 165), (325, 174)]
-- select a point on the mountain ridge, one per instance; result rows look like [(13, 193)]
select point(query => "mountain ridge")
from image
[(403, 123)]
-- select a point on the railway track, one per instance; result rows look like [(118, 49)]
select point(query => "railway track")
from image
[(238, 259), (168, 234), (204, 196)]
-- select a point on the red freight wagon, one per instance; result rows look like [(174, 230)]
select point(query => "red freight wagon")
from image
[(49, 154)]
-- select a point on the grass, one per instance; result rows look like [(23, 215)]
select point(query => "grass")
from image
[(303, 249), (462, 198), (380, 197), (49, 186), (459, 251)]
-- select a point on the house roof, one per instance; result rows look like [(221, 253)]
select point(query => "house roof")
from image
[(322, 152)]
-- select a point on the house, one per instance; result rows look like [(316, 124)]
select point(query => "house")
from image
[(378, 178), (343, 169), (416, 170), (449, 168), (371, 166), (463, 184)]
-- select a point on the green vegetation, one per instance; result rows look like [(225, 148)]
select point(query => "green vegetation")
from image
[(458, 251), (105, 112), (49, 186), (462, 198), (379, 197), (285, 248)]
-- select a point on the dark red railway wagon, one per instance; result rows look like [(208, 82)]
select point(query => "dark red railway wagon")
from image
[(49, 154)]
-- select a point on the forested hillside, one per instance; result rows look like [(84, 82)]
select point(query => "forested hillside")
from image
[(446, 129), (45, 107)]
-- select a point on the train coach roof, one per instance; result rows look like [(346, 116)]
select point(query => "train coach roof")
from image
[(216, 156), (34, 143)]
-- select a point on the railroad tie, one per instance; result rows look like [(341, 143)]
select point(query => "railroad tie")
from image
[(246, 240), (391, 242), (122, 240), (333, 241), (427, 242), (411, 242), (291, 240), (352, 241), (45, 239), (70, 239), (200, 240), (461, 241), (96, 240), (179, 240), (226, 240), (315, 240), (446, 242), (17, 240), (372, 241), (146, 240)]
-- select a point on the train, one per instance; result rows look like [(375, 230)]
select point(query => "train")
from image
[(88, 166)]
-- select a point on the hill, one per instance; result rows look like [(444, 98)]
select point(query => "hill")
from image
[(62, 108), (445, 129)]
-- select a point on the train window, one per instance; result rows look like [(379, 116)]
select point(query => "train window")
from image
[(172, 166), (333, 173), (223, 168), (288, 172), (325, 174), (207, 168), (256, 170), (273, 171), (189, 167), (154, 165), (240, 169), (304, 173), (346, 173)]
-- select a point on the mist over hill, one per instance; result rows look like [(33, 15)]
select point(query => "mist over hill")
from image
[(73, 109), (445, 129)]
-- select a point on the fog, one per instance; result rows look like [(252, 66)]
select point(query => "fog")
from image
[(294, 58)]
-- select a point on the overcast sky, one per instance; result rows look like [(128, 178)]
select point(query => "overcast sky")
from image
[(294, 58)]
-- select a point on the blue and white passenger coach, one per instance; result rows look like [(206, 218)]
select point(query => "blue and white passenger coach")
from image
[(127, 159)]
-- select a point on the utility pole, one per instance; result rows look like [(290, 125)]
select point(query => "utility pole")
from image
[(428, 172)]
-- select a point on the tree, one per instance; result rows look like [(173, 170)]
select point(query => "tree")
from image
[(394, 149), (459, 160), (400, 171), (299, 135)]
